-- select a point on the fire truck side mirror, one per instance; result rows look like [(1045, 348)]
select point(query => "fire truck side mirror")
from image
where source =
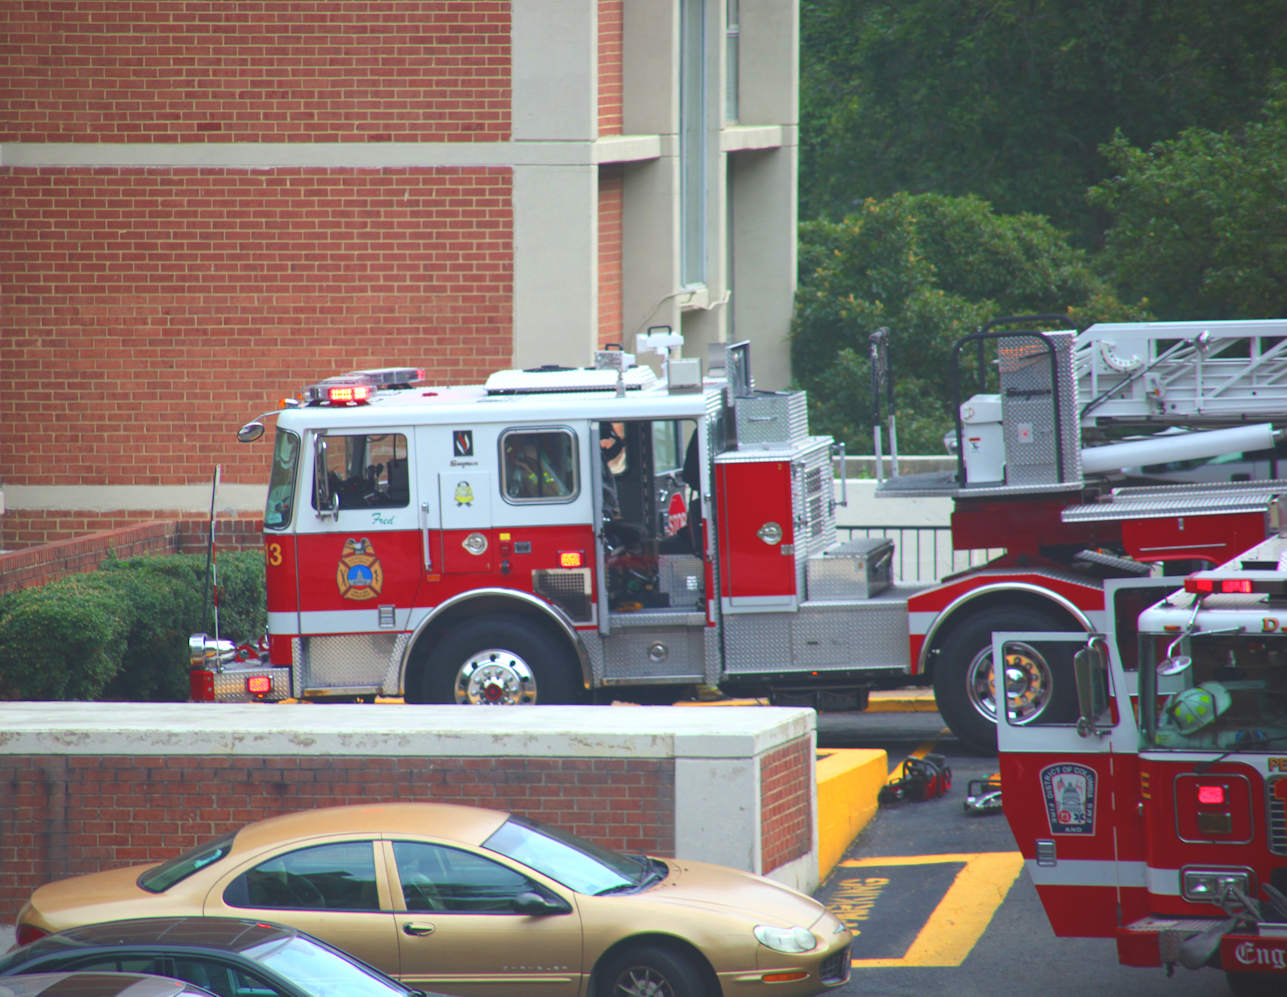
[(1090, 669), (250, 432), (327, 505)]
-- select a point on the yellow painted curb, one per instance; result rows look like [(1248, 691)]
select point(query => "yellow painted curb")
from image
[(848, 781)]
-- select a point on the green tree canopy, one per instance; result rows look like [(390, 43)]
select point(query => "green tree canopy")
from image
[(931, 269), (1012, 100), (1200, 222)]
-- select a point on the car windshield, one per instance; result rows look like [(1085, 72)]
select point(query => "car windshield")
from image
[(322, 972), (160, 878), (578, 864), (1227, 692)]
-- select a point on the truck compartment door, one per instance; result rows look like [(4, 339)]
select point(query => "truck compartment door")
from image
[(468, 540), (756, 534)]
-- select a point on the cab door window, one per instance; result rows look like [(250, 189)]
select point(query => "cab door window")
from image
[(539, 465), (338, 876), (368, 472), (437, 878)]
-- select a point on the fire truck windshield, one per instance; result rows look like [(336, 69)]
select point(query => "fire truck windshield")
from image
[(1224, 692), (281, 484)]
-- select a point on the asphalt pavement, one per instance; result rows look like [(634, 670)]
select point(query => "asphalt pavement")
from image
[(941, 903)]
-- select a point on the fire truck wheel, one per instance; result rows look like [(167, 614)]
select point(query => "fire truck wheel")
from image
[(1039, 683), (499, 662)]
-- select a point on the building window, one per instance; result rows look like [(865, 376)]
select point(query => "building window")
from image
[(731, 33), (692, 141)]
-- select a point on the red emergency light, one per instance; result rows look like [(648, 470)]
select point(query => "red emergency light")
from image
[(1210, 794), (259, 685), (1245, 586), (350, 394), (571, 558)]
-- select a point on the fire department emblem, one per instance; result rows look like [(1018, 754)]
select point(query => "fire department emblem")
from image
[(359, 575), (464, 494), (1069, 791)]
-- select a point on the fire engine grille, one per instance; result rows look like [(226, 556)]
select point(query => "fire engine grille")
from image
[(567, 588), (1276, 808)]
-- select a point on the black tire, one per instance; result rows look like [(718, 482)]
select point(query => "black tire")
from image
[(1255, 984), (516, 647), (958, 668), (650, 970)]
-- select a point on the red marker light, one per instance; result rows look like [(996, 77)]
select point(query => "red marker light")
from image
[(259, 685), (1236, 585), (571, 558), (1199, 585), (1210, 794), (349, 393)]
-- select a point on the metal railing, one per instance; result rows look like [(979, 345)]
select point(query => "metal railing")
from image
[(922, 553)]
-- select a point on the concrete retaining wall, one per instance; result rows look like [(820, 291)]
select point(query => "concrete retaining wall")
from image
[(90, 786)]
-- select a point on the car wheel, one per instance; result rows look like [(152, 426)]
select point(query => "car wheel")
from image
[(648, 971), (489, 661), (1038, 683)]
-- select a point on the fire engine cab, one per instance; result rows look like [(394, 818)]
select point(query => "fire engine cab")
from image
[(556, 532), (1159, 817)]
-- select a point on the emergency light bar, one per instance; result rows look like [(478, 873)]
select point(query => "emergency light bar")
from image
[(359, 386), (1238, 586)]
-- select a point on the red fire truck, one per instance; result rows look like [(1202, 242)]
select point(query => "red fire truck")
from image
[(1159, 817), (562, 535)]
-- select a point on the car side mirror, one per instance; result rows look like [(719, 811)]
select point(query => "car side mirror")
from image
[(533, 904), (1090, 669)]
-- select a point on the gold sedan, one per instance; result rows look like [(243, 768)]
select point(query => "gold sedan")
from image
[(479, 902)]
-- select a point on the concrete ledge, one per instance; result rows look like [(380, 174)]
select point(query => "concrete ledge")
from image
[(848, 781)]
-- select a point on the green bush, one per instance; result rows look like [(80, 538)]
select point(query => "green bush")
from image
[(121, 633)]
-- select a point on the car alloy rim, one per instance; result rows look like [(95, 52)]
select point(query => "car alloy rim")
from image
[(1027, 683), (641, 981), (495, 677)]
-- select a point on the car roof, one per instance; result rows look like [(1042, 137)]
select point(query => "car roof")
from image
[(93, 985), (228, 934), (468, 825)]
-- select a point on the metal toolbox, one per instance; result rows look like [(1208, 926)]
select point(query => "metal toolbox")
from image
[(858, 569), (768, 420)]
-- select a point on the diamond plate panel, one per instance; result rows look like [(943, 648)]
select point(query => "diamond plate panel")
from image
[(757, 642), (874, 637), (349, 660), (1028, 414), (771, 419), (593, 642), (714, 650), (683, 579), (858, 569), (632, 654)]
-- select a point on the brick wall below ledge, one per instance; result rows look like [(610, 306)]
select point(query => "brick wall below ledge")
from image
[(44, 562)]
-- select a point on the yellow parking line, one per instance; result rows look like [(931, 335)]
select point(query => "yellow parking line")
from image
[(964, 913)]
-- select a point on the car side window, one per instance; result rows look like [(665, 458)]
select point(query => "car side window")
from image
[(339, 876), (437, 878), (116, 964)]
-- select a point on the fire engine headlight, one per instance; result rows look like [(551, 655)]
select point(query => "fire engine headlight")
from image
[(1208, 885), (795, 939)]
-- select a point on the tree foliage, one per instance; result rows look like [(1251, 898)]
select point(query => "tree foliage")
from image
[(1200, 222), (931, 269), (1011, 100)]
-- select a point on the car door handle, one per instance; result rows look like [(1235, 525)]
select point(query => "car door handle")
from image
[(417, 928)]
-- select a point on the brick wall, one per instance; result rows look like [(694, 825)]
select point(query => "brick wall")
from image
[(611, 189), (45, 561), (610, 54), (322, 71), (149, 313), (786, 804), (65, 815)]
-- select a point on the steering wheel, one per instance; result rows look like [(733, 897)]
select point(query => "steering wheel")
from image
[(302, 888)]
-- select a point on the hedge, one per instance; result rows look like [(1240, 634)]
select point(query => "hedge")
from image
[(121, 632)]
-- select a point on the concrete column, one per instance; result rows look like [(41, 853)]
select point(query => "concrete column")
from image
[(555, 59)]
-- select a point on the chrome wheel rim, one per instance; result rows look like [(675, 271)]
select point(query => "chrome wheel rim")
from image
[(1027, 683), (642, 981), (495, 677)]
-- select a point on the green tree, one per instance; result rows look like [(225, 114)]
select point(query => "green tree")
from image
[(1012, 99), (1200, 222), (932, 269)]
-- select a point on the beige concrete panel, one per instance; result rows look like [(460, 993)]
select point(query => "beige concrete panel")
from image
[(554, 46), (769, 56), (556, 265), (650, 246), (650, 67), (764, 255)]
